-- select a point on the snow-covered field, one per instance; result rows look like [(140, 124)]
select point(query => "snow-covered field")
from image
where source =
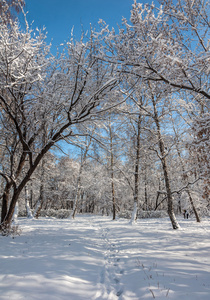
[(93, 257)]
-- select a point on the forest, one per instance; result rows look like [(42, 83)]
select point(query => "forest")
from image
[(116, 123)]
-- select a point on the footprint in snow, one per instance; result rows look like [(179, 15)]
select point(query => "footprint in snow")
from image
[(116, 280), (119, 293)]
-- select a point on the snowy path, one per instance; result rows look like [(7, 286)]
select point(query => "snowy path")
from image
[(95, 258), (110, 286)]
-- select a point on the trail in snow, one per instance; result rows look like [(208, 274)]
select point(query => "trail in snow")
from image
[(110, 286), (95, 258)]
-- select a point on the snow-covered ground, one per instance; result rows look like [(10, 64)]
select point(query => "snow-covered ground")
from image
[(93, 257)]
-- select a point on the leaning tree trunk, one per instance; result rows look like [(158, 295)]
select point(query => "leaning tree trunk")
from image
[(16, 193), (186, 179), (193, 206), (171, 214)]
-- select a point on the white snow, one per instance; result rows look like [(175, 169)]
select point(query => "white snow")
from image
[(93, 257)]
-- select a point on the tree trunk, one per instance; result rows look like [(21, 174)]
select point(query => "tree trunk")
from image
[(28, 210), (193, 206), (39, 203), (145, 190), (15, 215), (136, 172), (5, 203), (77, 195), (134, 213), (171, 214), (186, 179), (113, 198), (31, 196), (8, 219), (112, 173), (37, 209), (112, 184)]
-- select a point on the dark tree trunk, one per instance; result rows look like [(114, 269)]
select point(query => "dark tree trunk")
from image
[(112, 174), (5, 202), (171, 214), (136, 171), (145, 190), (8, 219), (113, 197), (193, 206)]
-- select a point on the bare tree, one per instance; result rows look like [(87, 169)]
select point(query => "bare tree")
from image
[(34, 85), (136, 168)]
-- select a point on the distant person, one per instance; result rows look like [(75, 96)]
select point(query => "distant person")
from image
[(186, 214)]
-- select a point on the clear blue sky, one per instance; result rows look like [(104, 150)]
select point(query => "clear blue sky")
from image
[(59, 16)]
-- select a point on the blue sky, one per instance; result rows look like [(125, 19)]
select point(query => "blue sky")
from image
[(59, 16)]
